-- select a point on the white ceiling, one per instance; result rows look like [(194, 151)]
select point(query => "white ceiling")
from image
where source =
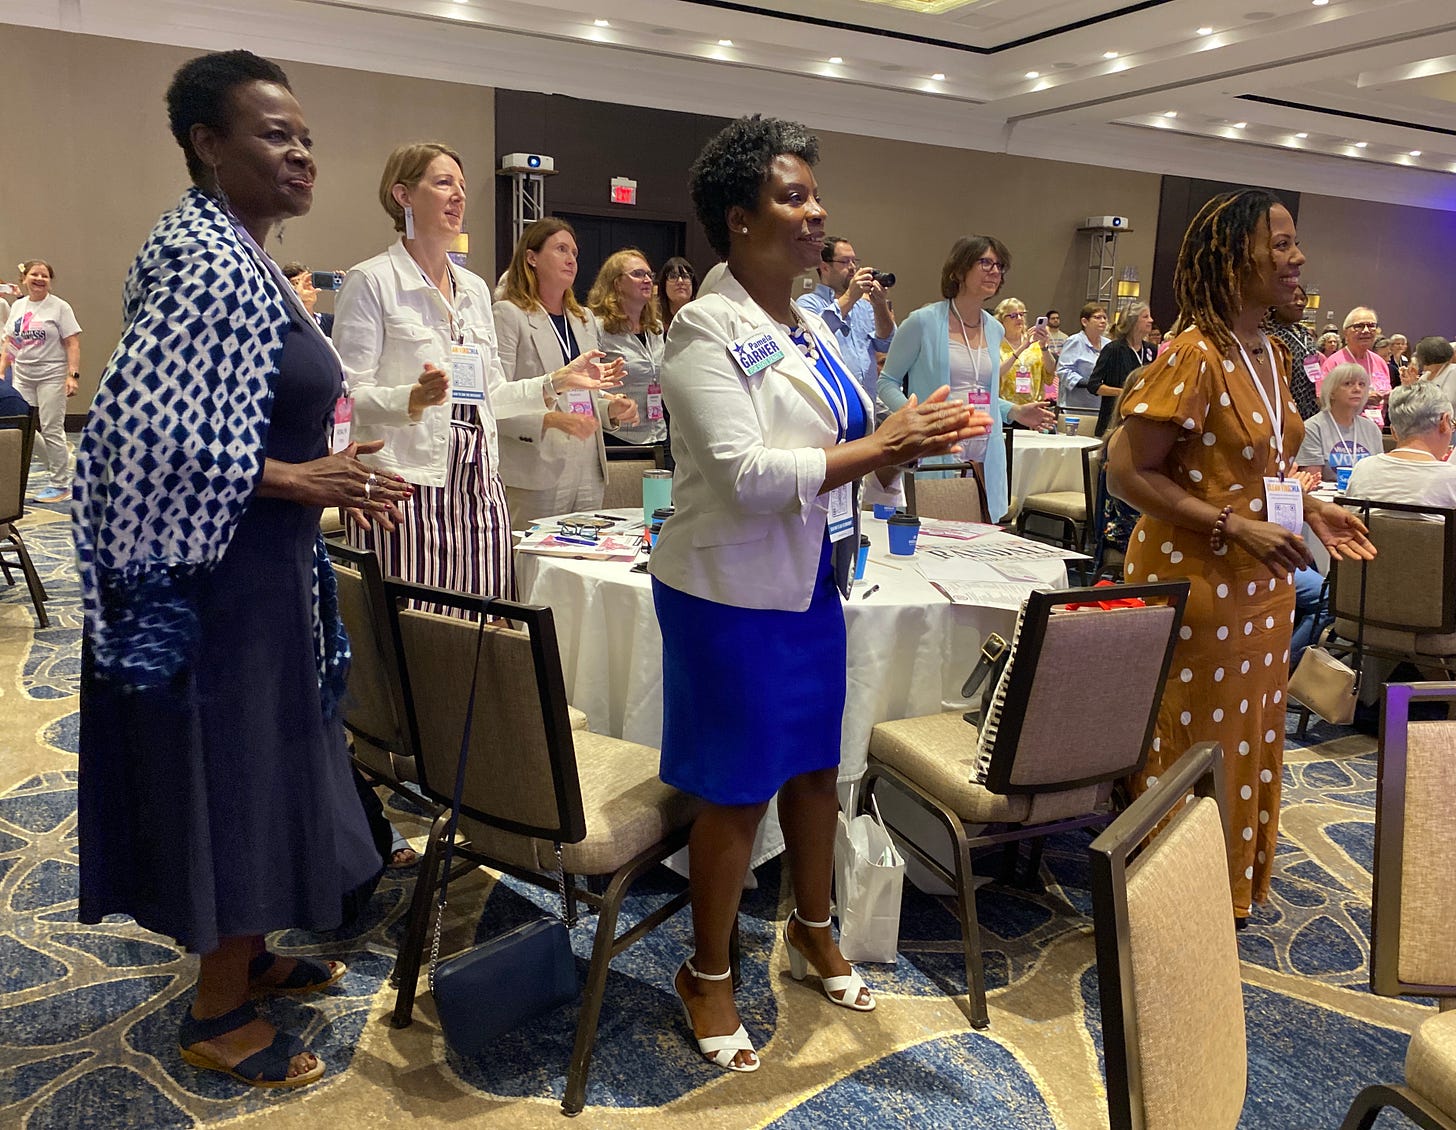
[(1381, 72)]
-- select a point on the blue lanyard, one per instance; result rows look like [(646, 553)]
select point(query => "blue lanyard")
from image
[(834, 390)]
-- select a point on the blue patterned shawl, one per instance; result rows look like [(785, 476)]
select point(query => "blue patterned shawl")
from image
[(174, 449)]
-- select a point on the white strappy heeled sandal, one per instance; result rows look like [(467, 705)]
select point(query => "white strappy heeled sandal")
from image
[(848, 987), (720, 1050)]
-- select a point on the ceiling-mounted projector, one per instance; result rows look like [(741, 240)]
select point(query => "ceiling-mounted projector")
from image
[(527, 163), (1107, 223)]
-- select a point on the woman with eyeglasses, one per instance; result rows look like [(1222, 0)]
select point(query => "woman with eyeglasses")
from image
[(1078, 356), (1362, 326), (1028, 374), (956, 342), (677, 283), (621, 298)]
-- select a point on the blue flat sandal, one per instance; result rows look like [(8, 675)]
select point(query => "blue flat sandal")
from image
[(265, 1068), (308, 976)]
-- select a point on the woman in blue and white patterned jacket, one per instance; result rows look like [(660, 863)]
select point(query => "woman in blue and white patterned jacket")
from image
[(216, 802)]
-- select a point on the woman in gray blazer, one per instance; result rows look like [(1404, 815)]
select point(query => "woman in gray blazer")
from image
[(552, 461)]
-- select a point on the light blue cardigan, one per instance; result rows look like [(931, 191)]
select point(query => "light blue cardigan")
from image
[(921, 348)]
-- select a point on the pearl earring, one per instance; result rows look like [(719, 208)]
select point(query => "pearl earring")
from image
[(743, 230)]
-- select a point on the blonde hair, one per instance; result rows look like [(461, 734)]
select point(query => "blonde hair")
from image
[(1127, 319), (604, 301), (406, 166), (1010, 306), (519, 288)]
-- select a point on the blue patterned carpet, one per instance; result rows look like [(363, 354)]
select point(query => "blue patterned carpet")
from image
[(88, 1014)]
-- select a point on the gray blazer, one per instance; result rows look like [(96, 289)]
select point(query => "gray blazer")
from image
[(529, 348)]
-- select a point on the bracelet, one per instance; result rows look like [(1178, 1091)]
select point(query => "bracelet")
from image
[(1220, 529)]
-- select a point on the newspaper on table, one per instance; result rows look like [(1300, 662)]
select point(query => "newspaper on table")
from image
[(984, 565)]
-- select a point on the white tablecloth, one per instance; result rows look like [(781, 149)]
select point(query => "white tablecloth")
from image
[(910, 649), (1043, 463)]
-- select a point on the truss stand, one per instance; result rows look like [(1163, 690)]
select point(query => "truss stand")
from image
[(528, 196), (1102, 262)]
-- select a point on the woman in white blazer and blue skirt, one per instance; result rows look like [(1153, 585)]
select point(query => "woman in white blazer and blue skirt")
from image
[(772, 436)]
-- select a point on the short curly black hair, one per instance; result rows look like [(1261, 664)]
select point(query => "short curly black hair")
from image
[(734, 165), (198, 95)]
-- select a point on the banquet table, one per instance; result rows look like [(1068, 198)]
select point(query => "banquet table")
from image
[(1042, 462), (910, 649)]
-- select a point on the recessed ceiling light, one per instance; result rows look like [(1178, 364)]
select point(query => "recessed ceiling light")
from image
[(602, 23), (938, 76), (1109, 54), (1301, 136), (725, 43), (1319, 3), (1241, 125), (1361, 144), (1415, 152), (1205, 31), (836, 59), (1170, 113), (1033, 74)]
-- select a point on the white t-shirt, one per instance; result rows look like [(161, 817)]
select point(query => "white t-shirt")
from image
[(1416, 482), (35, 334), (1327, 444)]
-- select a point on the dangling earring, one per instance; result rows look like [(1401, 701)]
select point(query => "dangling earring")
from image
[(409, 222), (221, 193)]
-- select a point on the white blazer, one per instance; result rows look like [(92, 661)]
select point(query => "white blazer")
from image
[(528, 348), (748, 527), (388, 322)]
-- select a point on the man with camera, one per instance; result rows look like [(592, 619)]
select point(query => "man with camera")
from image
[(852, 301)]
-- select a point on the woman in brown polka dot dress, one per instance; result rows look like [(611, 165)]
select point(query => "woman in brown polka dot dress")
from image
[(1202, 427)]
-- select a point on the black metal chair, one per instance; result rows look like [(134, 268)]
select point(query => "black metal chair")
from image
[(17, 438)]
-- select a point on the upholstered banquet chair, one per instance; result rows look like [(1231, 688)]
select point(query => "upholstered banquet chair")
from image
[(1413, 921), (1046, 755), (17, 435), (955, 492), (1168, 976), (1060, 516), (541, 801), (625, 467)]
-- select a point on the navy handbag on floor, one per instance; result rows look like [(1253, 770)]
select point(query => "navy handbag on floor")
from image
[(497, 986)]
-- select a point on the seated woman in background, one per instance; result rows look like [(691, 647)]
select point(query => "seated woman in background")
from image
[(1416, 471), (1432, 362), (677, 283), (1129, 348), (621, 298), (953, 342), (1329, 343), (1028, 374), (1339, 436), (553, 461)]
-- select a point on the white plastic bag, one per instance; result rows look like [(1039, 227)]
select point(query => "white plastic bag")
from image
[(869, 875)]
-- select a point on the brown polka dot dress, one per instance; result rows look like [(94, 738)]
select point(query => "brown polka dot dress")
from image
[(1231, 665)]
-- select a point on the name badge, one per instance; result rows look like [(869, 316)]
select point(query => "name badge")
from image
[(467, 375), (1312, 368), (841, 513), (1023, 384), (756, 353), (1284, 503), (343, 424), (579, 400), (980, 399), (654, 401)]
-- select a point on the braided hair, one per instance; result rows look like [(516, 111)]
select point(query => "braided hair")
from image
[(1217, 250)]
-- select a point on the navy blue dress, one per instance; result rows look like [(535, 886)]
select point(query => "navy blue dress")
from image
[(224, 805), (751, 696)]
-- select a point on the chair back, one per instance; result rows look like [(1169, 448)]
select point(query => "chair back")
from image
[(374, 709), (959, 496), (520, 773), (1412, 542), (1051, 728), (17, 437), (1413, 914), (1091, 473), (625, 467), (1167, 960)]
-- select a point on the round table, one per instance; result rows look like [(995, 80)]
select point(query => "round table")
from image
[(1042, 463)]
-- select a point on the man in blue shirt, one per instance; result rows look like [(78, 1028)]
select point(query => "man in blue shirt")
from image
[(854, 307)]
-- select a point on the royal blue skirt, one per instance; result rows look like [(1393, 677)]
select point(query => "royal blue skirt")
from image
[(751, 697)]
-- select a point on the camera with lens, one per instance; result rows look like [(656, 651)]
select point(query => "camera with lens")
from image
[(885, 278)]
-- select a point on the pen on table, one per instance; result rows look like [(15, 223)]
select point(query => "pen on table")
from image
[(869, 592), (566, 539)]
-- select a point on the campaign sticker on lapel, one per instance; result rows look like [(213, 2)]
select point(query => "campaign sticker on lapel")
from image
[(756, 353)]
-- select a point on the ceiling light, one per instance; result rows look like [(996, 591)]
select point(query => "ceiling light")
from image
[(1415, 152), (1170, 113), (1361, 144), (1033, 74), (1205, 31), (1109, 54), (1319, 3), (836, 59), (725, 43), (1301, 136), (1241, 125), (602, 23), (938, 76)]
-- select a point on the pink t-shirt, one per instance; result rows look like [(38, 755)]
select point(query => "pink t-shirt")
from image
[(1372, 363)]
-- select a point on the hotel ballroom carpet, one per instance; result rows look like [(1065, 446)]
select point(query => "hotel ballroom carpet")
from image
[(88, 1014)]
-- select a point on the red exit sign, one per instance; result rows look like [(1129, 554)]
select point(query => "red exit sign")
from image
[(624, 191)]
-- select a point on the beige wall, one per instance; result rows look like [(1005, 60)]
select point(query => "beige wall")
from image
[(1393, 258), (106, 166), (903, 205)]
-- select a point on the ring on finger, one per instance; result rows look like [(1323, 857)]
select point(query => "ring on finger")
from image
[(369, 486)]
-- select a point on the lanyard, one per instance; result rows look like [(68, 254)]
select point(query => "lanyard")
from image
[(966, 341), (455, 321), (1276, 408), (833, 390), (561, 338)]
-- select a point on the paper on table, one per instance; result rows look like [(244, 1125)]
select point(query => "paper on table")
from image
[(612, 547), (961, 531), (987, 594), (1001, 547)]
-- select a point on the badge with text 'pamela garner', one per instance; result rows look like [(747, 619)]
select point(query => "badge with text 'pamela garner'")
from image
[(756, 352)]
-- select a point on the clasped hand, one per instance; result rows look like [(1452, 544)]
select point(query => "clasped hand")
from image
[(343, 480), (935, 426)]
